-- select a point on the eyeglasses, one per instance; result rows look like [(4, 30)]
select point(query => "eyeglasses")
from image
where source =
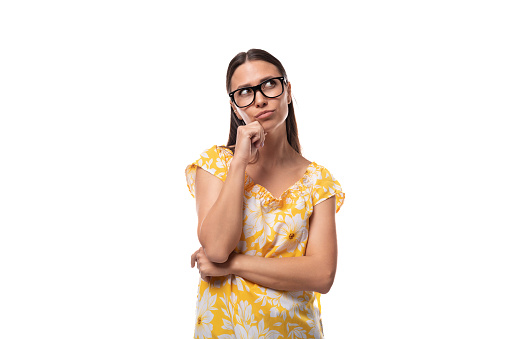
[(271, 88)]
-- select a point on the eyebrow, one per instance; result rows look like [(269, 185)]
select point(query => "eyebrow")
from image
[(262, 80)]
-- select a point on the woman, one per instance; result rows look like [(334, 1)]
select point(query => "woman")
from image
[(265, 216)]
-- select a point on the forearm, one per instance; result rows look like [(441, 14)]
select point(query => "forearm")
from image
[(289, 274), (221, 229)]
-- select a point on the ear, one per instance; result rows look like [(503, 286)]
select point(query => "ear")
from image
[(289, 95), (235, 110)]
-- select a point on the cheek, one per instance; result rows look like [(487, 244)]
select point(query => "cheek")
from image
[(283, 102), (283, 107)]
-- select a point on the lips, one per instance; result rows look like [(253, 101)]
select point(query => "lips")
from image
[(264, 114)]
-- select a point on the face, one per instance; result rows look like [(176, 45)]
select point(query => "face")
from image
[(252, 73)]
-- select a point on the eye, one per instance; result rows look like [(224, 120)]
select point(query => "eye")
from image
[(270, 83), (244, 92)]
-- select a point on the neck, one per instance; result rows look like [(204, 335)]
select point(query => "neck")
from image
[(276, 150)]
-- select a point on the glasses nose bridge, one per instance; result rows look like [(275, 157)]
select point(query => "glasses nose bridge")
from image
[(258, 89)]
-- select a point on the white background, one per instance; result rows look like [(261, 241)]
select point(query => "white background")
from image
[(104, 103)]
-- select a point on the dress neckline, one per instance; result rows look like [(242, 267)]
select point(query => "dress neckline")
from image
[(296, 184), (267, 192)]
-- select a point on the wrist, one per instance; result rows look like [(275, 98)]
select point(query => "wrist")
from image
[(235, 265), (238, 163)]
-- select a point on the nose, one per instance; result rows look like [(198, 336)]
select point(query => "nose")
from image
[(259, 99)]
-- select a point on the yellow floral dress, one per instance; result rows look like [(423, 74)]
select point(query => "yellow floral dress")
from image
[(231, 307)]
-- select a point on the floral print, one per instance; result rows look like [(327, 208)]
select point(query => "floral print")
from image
[(291, 234), (204, 315), (273, 227)]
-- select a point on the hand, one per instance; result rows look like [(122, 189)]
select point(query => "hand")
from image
[(208, 268), (250, 138)]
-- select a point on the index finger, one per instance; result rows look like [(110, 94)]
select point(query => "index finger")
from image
[(193, 258)]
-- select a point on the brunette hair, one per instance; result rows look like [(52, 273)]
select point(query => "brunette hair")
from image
[(291, 124)]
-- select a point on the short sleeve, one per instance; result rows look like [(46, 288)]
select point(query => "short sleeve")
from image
[(212, 160), (325, 187)]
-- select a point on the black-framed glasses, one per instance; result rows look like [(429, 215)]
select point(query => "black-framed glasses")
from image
[(270, 88)]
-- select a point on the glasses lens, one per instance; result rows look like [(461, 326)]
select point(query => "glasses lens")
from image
[(243, 97), (272, 88)]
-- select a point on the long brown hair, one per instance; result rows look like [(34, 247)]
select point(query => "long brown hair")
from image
[(291, 124)]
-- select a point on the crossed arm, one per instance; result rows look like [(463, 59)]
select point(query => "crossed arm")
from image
[(314, 271)]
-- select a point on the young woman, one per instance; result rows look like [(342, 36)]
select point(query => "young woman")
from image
[(265, 216)]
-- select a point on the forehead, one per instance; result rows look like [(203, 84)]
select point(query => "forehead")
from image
[(252, 72)]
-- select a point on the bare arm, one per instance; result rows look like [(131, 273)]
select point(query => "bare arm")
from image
[(220, 205), (220, 211), (313, 272)]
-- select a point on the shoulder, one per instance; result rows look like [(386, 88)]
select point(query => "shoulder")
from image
[(226, 151), (323, 173), (215, 153), (319, 173), (325, 185), (214, 160)]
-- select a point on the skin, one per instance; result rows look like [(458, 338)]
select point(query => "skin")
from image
[(279, 166)]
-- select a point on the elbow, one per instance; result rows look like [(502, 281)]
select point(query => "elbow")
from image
[(325, 283), (216, 255), (324, 289), (214, 252)]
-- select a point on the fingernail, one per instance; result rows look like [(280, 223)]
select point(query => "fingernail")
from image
[(262, 144)]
